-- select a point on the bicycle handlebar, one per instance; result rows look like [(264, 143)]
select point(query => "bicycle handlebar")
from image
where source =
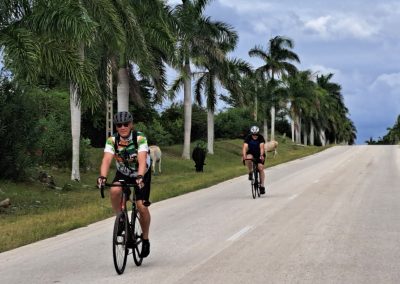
[(121, 184)]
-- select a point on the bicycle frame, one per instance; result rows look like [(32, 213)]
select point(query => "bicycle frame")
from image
[(127, 233), (255, 183)]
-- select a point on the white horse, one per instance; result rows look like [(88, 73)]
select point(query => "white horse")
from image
[(271, 146), (155, 155)]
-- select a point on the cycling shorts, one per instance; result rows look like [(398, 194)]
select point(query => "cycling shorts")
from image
[(258, 158), (142, 193)]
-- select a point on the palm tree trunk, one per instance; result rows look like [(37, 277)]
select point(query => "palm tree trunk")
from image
[(305, 138), (255, 108), (265, 129), (312, 134), (292, 127), (109, 102), (210, 131), (75, 107), (187, 108), (322, 137), (299, 136), (273, 123), (297, 129), (123, 89)]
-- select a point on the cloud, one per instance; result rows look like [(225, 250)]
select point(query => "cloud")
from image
[(245, 6), (174, 2), (322, 70), (341, 26), (387, 81)]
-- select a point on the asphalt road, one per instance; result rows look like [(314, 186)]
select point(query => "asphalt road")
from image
[(333, 217)]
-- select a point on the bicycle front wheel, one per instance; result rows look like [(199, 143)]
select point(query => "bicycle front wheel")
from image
[(137, 236), (120, 238), (254, 184)]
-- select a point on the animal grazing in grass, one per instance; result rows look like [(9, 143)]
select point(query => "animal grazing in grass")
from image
[(199, 156), (155, 155), (271, 146)]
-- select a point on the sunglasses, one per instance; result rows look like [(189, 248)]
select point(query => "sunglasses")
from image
[(119, 125)]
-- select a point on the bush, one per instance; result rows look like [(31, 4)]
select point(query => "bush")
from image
[(17, 120), (233, 123), (54, 142), (155, 133), (172, 120), (35, 128)]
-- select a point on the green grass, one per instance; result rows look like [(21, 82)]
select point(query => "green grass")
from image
[(38, 212)]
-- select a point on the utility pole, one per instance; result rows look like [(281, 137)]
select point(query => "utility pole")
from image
[(109, 103)]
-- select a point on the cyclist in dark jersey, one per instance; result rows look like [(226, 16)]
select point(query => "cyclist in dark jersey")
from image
[(130, 150), (253, 146)]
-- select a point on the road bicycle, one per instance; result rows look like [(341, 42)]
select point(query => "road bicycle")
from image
[(255, 181), (127, 234)]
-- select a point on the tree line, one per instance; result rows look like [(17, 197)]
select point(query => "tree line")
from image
[(392, 137), (117, 52)]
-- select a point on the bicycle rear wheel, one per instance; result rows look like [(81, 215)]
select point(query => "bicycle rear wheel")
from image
[(120, 238), (137, 235)]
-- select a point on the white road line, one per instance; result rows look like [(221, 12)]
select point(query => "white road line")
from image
[(240, 233), (293, 196)]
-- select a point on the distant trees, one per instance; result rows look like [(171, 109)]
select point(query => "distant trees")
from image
[(392, 137)]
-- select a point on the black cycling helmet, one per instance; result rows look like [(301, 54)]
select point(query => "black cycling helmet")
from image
[(122, 117)]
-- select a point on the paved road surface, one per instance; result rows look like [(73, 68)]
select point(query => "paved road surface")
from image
[(333, 217)]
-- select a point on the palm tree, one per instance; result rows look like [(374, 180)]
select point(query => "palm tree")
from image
[(277, 62), (197, 37), (337, 126), (218, 73), (301, 91), (48, 38)]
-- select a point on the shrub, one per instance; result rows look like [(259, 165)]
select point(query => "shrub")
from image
[(233, 123), (17, 117)]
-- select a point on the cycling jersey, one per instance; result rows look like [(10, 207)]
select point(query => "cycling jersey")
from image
[(126, 153), (254, 145)]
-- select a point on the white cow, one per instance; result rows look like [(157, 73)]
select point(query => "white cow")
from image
[(155, 155), (271, 146)]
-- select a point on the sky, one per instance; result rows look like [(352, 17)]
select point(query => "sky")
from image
[(356, 40)]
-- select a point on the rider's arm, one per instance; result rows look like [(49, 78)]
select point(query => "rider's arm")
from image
[(244, 150), (142, 157), (105, 164), (262, 149)]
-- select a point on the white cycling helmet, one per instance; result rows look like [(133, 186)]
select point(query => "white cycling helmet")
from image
[(254, 130)]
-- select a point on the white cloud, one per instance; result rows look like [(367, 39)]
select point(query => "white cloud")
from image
[(341, 26), (322, 70), (245, 6), (319, 25), (174, 2), (391, 81)]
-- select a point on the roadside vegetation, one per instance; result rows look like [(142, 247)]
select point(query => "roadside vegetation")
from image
[(39, 210), (64, 61)]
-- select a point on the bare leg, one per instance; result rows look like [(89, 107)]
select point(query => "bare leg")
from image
[(144, 218), (249, 162), (115, 196), (262, 173)]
